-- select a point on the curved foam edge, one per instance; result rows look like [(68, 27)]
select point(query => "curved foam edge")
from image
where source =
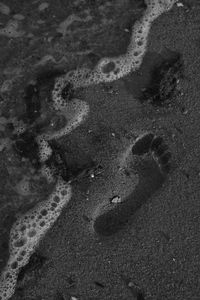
[(123, 64), (75, 112), (26, 233)]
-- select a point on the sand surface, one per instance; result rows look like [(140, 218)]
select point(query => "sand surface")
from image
[(156, 255)]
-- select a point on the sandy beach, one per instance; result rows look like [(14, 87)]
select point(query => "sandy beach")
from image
[(131, 228)]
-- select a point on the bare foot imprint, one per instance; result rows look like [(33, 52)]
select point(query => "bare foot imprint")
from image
[(153, 165)]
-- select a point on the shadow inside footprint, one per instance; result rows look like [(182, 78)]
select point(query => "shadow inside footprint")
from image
[(152, 174), (142, 144), (161, 152)]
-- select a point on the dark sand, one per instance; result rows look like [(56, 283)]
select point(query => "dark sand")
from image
[(156, 256)]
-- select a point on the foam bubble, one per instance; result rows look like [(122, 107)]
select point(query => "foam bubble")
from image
[(23, 187)]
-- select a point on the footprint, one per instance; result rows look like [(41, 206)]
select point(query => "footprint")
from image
[(163, 86), (152, 166)]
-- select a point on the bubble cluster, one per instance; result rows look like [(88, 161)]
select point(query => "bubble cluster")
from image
[(26, 233), (45, 150), (112, 68)]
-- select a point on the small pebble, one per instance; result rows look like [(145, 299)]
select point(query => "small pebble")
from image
[(43, 6), (116, 199), (179, 4), (18, 17), (40, 21)]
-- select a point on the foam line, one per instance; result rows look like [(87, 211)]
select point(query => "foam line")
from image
[(122, 65), (27, 232)]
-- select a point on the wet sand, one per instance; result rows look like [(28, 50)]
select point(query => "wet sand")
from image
[(156, 255)]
